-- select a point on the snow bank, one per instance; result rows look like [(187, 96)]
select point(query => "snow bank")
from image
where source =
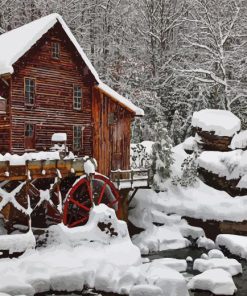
[(239, 141), (217, 281), (236, 244), (17, 242), (231, 165), (221, 122), (200, 201), (90, 256)]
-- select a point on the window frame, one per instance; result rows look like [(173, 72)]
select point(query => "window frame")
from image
[(55, 50), (28, 103), (79, 99), (75, 137)]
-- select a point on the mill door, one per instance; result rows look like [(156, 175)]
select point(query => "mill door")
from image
[(117, 147), (29, 137)]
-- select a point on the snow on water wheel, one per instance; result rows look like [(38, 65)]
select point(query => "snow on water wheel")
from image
[(81, 196)]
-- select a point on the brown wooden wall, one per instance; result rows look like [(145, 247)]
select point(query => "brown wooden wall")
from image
[(5, 118), (53, 110), (112, 133), (107, 130)]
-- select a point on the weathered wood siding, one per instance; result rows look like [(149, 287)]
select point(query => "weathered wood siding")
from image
[(53, 110), (112, 133), (5, 118)]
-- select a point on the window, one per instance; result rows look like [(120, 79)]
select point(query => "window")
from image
[(29, 130), (55, 50), (29, 91), (77, 97), (77, 136), (3, 105)]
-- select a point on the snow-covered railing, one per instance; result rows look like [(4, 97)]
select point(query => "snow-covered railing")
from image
[(41, 169), (131, 179)]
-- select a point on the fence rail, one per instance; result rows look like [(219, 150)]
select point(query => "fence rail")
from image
[(131, 179)]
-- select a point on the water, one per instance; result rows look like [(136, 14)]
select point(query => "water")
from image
[(239, 280)]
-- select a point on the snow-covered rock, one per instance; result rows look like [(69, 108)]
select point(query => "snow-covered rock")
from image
[(146, 290), (189, 259), (230, 265), (204, 242), (160, 238), (239, 141), (231, 165), (242, 182), (217, 281), (179, 265), (235, 244), (190, 144), (169, 280), (221, 122), (17, 242), (215, 254)]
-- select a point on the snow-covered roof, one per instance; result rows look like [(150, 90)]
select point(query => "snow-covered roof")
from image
[(221, 122), (239, 141), (120, 99), (14, 44)]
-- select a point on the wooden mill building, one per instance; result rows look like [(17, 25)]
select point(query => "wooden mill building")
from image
[(48, 85)]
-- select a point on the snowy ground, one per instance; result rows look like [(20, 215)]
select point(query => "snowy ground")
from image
[(107, 260), (159, 214), (103, 258)]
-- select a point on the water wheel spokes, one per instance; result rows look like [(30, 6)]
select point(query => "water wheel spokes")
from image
[(83, 194)]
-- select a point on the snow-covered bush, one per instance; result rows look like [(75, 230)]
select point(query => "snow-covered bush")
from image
[(162, 158), (189, 171), (141, 155)]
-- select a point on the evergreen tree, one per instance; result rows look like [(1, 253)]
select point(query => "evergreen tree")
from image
[(161, 158), (175, 128)]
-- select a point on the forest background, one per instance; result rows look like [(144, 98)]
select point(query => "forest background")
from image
[(170, 57)]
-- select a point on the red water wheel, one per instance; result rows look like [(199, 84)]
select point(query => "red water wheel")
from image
[(81, 196)]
